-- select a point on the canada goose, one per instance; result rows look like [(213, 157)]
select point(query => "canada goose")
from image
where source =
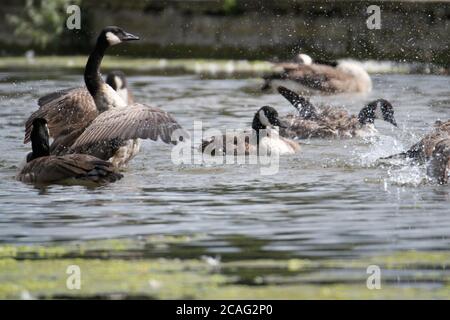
[(262, 137), (422, 150), (306, 76), (73, 108), (433, 149), (118, 81), (333, 122), (68, 112), (112, 130), (41, 167)]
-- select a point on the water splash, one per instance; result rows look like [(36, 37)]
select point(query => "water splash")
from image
[(379, 147), (411, 175)]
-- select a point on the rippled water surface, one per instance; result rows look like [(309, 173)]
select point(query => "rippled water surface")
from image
[(331, 200)]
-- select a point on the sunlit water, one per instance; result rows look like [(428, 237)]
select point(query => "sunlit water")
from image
[(331, 200)]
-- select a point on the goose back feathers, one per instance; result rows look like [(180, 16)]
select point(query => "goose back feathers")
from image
[(41, 167), (310, 77), (65, 111), (56, 169), (332, 122)]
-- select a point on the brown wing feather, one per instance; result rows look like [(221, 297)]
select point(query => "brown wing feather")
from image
[(319, 77), (334, 113), (304, 129), (443, 126), (53, 96), (135, 121), (330, 122), (423, 150), (61, 144), (74, 108)]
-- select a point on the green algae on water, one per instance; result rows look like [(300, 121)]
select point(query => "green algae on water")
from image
[(128, 268)]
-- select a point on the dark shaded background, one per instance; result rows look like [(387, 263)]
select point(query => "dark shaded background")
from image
[(254, 29)]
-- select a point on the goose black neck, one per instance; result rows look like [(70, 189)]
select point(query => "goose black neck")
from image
[(366, 115), (39, 143), (257, 143), (256, 126), (92, 76), (305, 108)]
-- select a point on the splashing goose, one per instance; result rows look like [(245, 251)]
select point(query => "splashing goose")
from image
[(434, 150), (332, 122), (43, 168), (111, 131), (70, 111), (73, 109), (307, 76)]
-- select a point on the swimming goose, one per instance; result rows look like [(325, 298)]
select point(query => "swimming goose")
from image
[(333, 122), (69, 109), (111, 131), (263, 136), (307, 76), (41, 167), (433, 149), (74, 108)]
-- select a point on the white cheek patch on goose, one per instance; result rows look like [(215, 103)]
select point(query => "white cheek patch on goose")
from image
[(123, 93), (263, 119), (109, 98), (118, 82), (112, 38)]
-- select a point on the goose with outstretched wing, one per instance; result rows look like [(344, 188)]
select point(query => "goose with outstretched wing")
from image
[(112, 135), (71, 112)]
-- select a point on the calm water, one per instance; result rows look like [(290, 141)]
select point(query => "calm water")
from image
[(331, 200)]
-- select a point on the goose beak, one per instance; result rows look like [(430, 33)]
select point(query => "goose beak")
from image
[(394, 123), (129, 37)]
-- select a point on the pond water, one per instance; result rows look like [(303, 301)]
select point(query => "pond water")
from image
[(331, 200)]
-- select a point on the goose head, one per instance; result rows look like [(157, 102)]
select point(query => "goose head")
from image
[(266, 117), (118, 81), (112, 35), (378, 109), (39, 139), (304, 59)]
